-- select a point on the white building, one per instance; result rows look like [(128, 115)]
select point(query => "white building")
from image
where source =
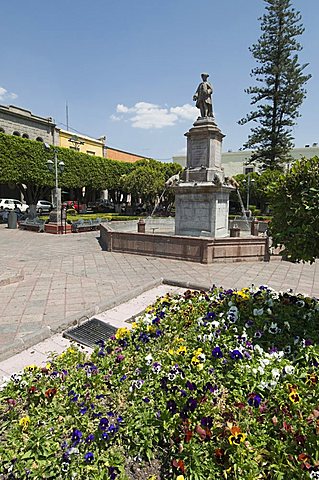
[(234, 162)]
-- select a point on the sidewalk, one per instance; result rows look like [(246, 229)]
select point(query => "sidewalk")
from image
[(48, 282)]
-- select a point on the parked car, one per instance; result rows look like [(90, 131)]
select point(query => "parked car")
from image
[(71, 204), (103, 206), (43, 206), (12, 204)]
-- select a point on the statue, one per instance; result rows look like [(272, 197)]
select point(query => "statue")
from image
[(203, 97)]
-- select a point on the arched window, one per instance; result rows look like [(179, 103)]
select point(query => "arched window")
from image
[(39, 139), (17, 134), (25, 135), (2, 130)]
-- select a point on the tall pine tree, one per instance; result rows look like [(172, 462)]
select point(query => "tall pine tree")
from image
[(280, 92)]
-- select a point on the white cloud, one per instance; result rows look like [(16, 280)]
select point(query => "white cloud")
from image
[(186, 112), (115, 118), (149, 115), (121, 108), (4, 94)]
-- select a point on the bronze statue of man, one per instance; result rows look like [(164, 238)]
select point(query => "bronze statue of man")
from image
[(203, 97)]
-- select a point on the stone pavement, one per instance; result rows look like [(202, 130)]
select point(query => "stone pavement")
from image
[(48, 282)]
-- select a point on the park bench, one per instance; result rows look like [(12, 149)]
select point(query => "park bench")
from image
[(32, 224), (263, 227), (85, 225)]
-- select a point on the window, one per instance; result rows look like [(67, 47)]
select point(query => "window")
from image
[(248, 170), (39, 139), (25, 135), (90, 152), (17, 134)]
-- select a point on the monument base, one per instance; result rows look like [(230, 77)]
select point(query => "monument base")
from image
[(201, 209), (57, 228)]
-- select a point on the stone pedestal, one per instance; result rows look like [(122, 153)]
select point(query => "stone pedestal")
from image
[(202, 196), (204, 151), (201, 209)]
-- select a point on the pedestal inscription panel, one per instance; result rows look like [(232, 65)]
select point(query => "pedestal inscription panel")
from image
[(199, 152)]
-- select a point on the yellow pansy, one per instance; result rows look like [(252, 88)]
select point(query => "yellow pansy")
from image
[(122, 332), (30, 368), (200, 366), (134, 325), (180, 477), (151, 328), (171, 351), (24, 422), (181, 350)]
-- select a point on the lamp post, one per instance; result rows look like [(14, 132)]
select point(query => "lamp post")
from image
[(57, 167), (76, 146), (250, 181)]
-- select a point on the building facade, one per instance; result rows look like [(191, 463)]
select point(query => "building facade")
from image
[(23, 123), (81, 143), (121, 155)]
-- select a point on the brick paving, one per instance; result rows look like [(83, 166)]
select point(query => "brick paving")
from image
[(48, 281)]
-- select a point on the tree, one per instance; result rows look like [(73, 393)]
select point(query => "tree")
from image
[(24, 162), (295, 207), (280, 92)]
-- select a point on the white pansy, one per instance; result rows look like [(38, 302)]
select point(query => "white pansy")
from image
[(296, 339), (261, 370), (215, 324), (258, 311), (273, 328), (73, 450), (263, 385), (258, 349), (287, 325), (289, 369), (149, 359), (272, 384), (275, 373)]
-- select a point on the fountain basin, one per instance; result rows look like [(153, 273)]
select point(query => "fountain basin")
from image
[(195, 249)]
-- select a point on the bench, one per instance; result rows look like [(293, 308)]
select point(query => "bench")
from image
[(85, 225), (32, 224)]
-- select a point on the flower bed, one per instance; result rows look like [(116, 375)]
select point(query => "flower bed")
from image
[(209, 385)]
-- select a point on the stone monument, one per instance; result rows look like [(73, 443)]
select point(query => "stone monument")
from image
[(202, 195)]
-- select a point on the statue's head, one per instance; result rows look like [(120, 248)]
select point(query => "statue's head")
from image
[(204, 76)]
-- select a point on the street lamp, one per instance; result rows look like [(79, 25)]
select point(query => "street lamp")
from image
[(250, 181), (57, 167), (76, 142)]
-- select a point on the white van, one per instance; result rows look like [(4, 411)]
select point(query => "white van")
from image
[(13, 203)]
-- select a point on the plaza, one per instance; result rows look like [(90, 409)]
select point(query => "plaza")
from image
[(50, 282)]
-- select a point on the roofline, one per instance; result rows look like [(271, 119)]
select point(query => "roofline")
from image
[(80, 135), (45, 120), (123, 151)]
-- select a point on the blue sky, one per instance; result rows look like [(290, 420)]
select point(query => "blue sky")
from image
[(128, 68)]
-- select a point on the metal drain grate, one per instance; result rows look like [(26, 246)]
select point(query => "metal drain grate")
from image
[(90, 332)]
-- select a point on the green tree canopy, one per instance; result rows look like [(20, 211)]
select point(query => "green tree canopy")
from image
[(280, 89), (295, 206)]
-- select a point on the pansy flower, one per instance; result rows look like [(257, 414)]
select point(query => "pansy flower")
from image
[(236, 436), (236, 355), (50, 393), (217, 353), (24, 422), (89, 457), (76, 437), (254, 400)]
